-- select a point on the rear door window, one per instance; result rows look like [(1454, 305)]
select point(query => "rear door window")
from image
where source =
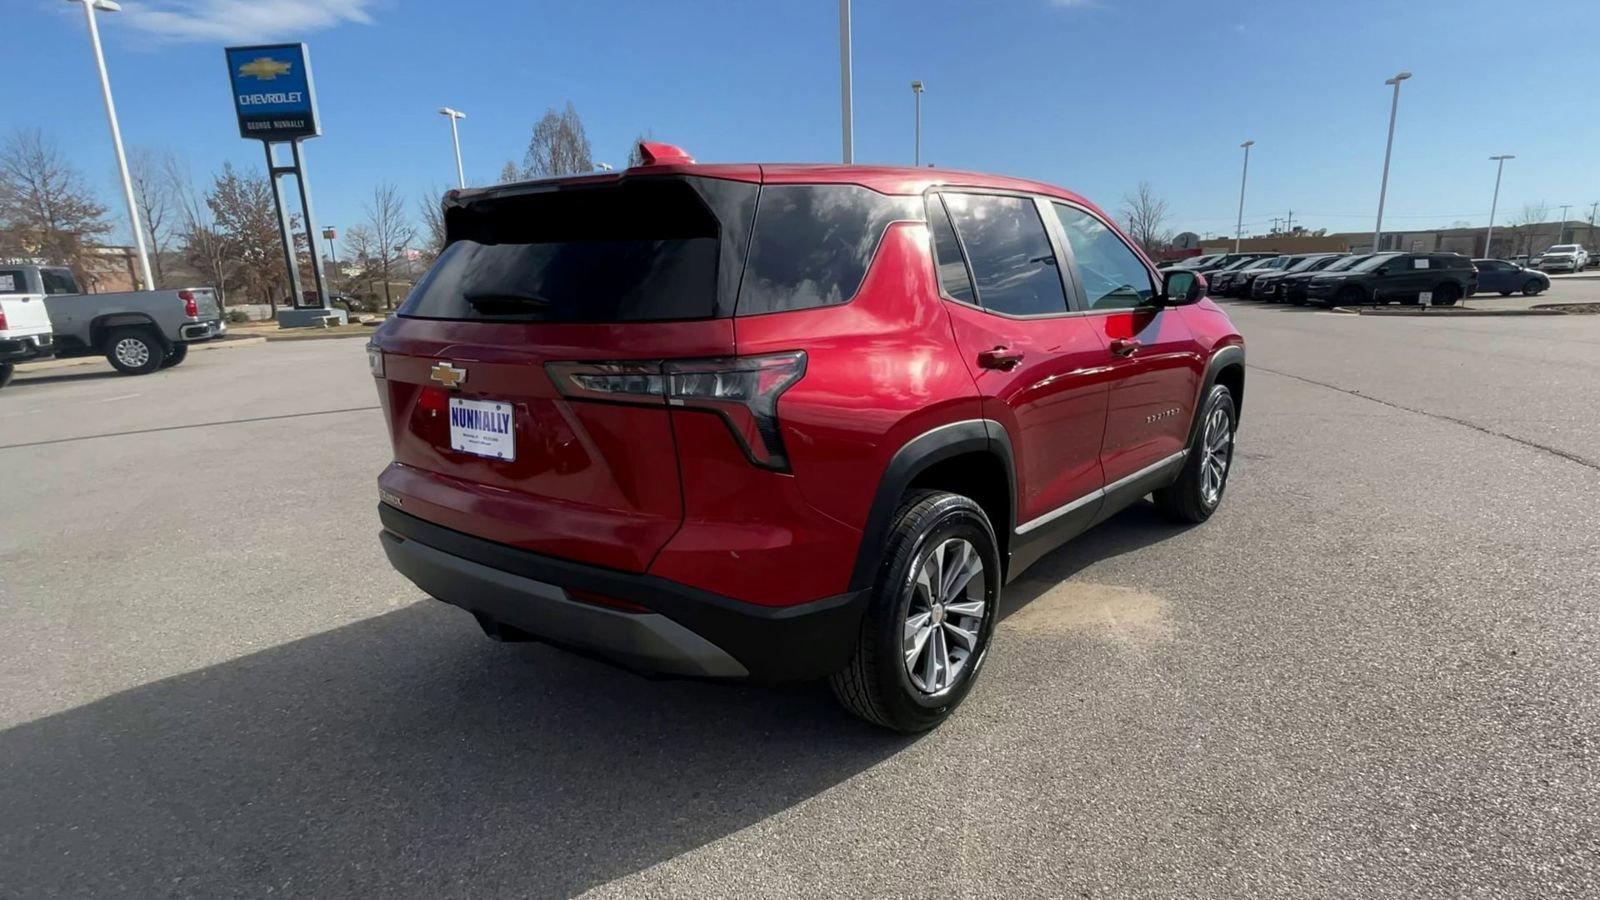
[(635, 251), (1013, 264), (812, 244), (59, 281)]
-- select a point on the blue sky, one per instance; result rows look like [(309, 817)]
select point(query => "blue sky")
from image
[(1095, 96)]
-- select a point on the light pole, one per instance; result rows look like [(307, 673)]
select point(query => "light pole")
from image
[(330, 233), (848, 121), (1383, 187), (89, 6), (1561, 224), (1500, 166), (455, 140), (916, 92), (1238, 228)]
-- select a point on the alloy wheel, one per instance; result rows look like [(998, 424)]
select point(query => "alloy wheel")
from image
[(946, 615), (132, 352), (1217, 445)]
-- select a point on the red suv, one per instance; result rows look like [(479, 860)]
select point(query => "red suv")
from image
[(786, 421)]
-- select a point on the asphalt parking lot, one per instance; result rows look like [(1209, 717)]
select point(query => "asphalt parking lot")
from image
[(1376, 671)]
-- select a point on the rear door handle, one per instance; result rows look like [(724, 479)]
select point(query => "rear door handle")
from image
[(999, 358), (1126, 346)]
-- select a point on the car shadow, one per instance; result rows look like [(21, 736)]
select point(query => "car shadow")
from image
[(1134, 528), (24, 378), (405, 754)]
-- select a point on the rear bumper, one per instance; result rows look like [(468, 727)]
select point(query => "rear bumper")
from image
[(195, 332), (16, 349), (688, 631)]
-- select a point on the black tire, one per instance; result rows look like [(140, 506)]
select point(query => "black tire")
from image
[(1446, 295), (6, 371), (176, 355), (1349, 296), (1189, 499), (1532, 288), (135, 351), (876, 684)]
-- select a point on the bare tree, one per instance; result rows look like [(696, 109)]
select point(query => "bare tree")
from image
[(247, 223), (153, 194), (46, 211), (390, 233), (361, 250), (199, 239), (1526, 222), (559, 146), (1143, 213), (635, 156), (433, 230), (509, 173)]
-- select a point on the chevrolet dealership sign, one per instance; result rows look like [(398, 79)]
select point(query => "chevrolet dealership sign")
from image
[(272, 92)]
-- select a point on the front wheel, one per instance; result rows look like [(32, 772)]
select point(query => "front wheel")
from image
[(134, 351), (932, 612), (1198, 491), (1532, 287), (1350, 296)]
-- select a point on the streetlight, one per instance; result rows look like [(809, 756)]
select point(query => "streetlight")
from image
[(89, 6), (455, 139), (602, 167), (916, 91), (330, 233), (1238, 228), (844, 82), (1561, 225), (1500, 165), (1383, 188)]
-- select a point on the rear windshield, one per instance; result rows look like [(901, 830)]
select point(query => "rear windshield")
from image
[(632, 251), (12, 282)]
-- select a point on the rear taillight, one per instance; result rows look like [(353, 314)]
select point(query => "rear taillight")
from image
[(190, 308), (742, 390), (2, 320)]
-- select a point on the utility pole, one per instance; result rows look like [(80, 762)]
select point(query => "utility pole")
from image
[(1388, 148), (1500, 167), (848, 121), (1561, 225), (1238, 227), (1288, 225)]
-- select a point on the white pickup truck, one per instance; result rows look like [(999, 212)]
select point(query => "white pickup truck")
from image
[(138, 332), (24, 325)]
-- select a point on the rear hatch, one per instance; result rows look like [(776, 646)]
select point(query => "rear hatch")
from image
[(513, 374), (205, 300)]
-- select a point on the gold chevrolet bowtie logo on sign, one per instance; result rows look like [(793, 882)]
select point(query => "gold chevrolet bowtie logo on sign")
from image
[(448, 375), (265, 68)]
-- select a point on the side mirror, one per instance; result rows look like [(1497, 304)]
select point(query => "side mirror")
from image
[(1180, 288)]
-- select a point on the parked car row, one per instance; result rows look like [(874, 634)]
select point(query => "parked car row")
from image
[(1344, 279), (43, 312)]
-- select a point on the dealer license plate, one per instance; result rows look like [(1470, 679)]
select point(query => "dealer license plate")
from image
[(483, 428)]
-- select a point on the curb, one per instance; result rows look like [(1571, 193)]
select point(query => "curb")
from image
[(46, 365), (285, 338), (1445, 313)]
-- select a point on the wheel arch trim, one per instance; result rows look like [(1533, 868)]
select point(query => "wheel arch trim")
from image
[(916, 456)]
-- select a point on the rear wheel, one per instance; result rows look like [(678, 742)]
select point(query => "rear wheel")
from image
[(1198, 491), (931, 615), (6, 371), (134, 351), (175, 355), (1446, 295)]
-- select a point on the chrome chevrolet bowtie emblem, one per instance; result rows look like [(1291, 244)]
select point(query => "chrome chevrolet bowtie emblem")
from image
[(448, 375)]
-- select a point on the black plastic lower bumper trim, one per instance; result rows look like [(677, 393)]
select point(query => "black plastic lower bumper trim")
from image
[(774, 644)]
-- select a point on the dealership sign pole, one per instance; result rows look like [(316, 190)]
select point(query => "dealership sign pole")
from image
[(276, 103)]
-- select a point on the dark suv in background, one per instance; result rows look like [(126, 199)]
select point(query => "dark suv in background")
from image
[(1266, 287), (1407, 278), (785, 421)]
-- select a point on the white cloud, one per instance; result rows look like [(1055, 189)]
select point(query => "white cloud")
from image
[(242, 20)]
